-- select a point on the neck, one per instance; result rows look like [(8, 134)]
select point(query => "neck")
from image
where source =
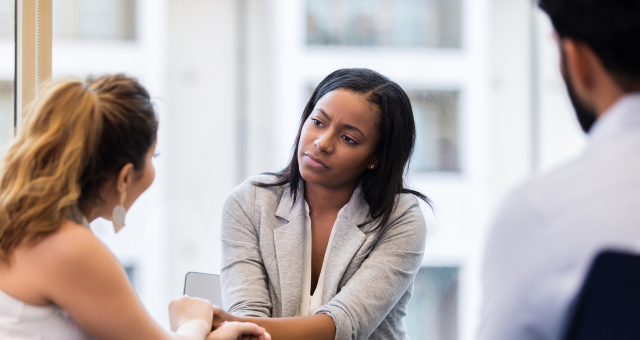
[(603, 106), (89, 211), (606, 92), (323, 200)]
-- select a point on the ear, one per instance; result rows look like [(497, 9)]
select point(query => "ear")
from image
[(591, 81), (580, 65), (125, 178), (373, 162)]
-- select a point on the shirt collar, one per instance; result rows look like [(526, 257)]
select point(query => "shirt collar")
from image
[(622, 117)]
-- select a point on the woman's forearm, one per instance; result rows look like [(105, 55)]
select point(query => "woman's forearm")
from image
[(313, 327)]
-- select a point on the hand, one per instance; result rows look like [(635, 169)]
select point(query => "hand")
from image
[(186, 309), (221, 316), (237, 331)]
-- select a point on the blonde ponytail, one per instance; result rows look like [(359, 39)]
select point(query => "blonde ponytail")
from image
[(55, 155)]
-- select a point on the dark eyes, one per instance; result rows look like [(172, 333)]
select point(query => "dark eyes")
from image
[(318, 123), (349, 140)]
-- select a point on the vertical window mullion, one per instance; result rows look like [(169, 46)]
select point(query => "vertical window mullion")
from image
[(33, 51)]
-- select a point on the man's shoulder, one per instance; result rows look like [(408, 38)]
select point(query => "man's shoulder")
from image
[(600, 173), (559, 187)]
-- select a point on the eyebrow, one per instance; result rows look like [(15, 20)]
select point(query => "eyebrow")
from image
[(325, 114), (351, 127), (347, 126)]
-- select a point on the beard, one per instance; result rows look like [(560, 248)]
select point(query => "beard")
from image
[(585, 113)]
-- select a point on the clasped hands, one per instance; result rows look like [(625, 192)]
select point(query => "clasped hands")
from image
[(186, 316), (223, 320)]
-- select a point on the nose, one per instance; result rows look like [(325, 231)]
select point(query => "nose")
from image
[(324, 143)]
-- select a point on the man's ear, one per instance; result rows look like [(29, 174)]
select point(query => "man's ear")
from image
[(579, 66), (590, 78), (125, 178)]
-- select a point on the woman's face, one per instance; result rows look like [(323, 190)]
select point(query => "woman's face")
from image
[(339, 139)]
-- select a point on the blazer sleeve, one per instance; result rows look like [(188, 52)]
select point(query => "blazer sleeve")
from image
[(244, 279), (382, 279)]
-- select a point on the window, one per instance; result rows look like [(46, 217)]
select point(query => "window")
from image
[(436, 117), (432, 312), (6, 19), (7, 69), (410, 23), (94, 19), (6, 114)]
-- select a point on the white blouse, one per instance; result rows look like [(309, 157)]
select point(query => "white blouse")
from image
[(310, 303), (21, 321)]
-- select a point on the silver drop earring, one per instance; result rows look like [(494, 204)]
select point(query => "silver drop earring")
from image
[(119, 213)]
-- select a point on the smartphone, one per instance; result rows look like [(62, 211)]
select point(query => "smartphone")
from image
[(204, 286)]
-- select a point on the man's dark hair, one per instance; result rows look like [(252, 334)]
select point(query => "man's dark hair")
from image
[(611, 28)]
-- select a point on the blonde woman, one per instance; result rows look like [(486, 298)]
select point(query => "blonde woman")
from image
[(84, 152)]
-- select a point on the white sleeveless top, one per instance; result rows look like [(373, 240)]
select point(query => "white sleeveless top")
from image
[(21, 321), (310, 303)]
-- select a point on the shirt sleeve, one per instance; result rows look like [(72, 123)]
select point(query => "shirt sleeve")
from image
[(244, 278), (382, 279), (514, 266)]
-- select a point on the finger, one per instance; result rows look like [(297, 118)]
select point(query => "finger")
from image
[(218, 321), (246, 328), (250, 337), (265, 336), (214, 326)]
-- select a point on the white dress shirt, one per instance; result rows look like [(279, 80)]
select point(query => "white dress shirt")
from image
[(548, 231)]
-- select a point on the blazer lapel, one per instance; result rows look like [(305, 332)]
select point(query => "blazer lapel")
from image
[(289, 242), (346, 242)]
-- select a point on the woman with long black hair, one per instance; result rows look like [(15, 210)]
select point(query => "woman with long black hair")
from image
[(328, 248)]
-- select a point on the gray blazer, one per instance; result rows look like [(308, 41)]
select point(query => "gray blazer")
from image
[(369, 273)]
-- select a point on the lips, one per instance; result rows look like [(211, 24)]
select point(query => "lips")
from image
[(315, 162)]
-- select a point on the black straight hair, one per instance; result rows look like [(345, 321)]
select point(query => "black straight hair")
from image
[(395, 146), (611, 28)]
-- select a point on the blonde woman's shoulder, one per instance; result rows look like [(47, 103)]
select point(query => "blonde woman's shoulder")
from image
[(42, 267), (70, 240)]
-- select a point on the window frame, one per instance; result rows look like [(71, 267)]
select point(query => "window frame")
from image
[(33, 44)]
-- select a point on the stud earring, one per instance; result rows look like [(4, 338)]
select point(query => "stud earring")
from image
[(118, 213), (372, 166)]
